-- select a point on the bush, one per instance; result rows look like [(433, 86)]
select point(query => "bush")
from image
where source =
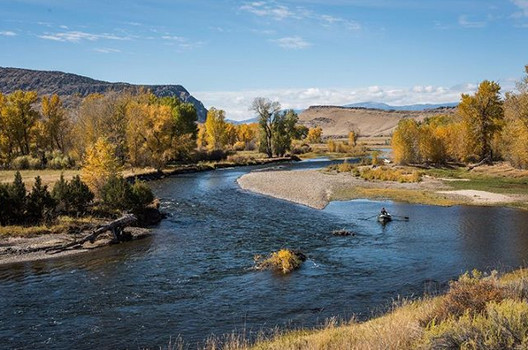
[(25, 163), (142, 195), (345, 167), (284, 261), (390, 174), (468, 295), (504, 325), (40, 205), (72, 197), (239, 146), (119, 194)]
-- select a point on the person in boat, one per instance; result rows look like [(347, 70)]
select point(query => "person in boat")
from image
[(384, 212)]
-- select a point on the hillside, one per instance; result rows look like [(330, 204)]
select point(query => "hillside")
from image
[(338, 121), (68, 85)]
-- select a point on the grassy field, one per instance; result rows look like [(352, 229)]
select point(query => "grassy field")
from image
[(395, 194), (478, 312)]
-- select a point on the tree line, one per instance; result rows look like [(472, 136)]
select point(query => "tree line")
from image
[(143, 129), (485, 127)]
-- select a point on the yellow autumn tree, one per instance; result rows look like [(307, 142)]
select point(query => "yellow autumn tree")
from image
[(405, 142), (99, 164), (482, 115), (315, 134), (247, 134), (55, 122), (515, 134), (352, 138), (215, 129)]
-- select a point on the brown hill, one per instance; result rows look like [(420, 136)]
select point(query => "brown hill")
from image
[(338, 121), (69, 85)]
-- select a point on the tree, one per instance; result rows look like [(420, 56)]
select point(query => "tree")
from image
[(283, 129), (314, 134), (482, 115), (352, 138), (405, 142), (265, 110), (100, 164), (246, 133), (55, 122), (515, 133), (19, 118), (215, 129), (40, 203)]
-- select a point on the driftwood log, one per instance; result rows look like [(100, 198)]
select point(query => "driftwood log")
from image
[(115, 226)]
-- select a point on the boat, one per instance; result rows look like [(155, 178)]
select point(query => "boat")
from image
[(384, 218)]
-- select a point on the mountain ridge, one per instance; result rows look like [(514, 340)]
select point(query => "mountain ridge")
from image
[(70, 85)]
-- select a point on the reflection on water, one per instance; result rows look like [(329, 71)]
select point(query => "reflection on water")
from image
[(194, 277)]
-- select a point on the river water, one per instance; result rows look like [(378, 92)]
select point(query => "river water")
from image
[(194, 277)]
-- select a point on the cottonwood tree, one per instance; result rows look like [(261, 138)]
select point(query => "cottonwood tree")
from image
[(482, 115), (100, 164), (283, 129), (515, 133), (265, 109), (215, 129), (55, 122), (19, 119)]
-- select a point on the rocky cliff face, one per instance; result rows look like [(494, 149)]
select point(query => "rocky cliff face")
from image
[(70, 85)]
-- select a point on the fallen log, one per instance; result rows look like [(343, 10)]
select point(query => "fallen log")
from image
[(486, 160), (115, 226)]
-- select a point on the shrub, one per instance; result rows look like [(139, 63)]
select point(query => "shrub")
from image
[(118, 194), (345, 167), (239, 146), (17, 200), (40, 205), (469, 294), (284, 261), (504, 325), (390, 174), (72, 197), (142, 195), (60, 162)]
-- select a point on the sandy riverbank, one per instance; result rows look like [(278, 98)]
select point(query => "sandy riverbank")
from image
[(316, 189), (26, 249)]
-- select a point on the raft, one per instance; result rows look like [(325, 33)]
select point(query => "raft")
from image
[(384, 218)]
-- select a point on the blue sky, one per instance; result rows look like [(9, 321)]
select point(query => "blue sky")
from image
[(226, 52)]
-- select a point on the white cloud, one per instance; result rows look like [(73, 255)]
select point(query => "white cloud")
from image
[(7, 33), (280, 12), (466, 23), (236, 103), (77, 36), (182, 42), (269, 9), (107, 50), (523, 6), (292, 43)]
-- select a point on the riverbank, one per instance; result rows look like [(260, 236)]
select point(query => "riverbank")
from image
[(20, 249), (316, 189), (481, 312)]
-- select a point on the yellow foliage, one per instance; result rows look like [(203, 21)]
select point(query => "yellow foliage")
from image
[(315, 134), (100, 163), (215, 129), (284, 261)]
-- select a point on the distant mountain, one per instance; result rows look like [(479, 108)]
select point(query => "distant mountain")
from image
[(386, 107), (256, 119), (70, 85)]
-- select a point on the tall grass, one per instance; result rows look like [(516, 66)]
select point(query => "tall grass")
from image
[(478, 312)]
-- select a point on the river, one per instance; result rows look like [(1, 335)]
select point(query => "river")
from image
[(194, 277)]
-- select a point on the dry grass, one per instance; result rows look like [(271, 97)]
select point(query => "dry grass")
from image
[(483, 312), (63, 224), (385, 173)]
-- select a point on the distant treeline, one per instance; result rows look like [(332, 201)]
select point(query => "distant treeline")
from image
[(485, 127), (143, 129)]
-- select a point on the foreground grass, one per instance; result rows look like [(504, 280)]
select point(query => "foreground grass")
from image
[(478, 312)]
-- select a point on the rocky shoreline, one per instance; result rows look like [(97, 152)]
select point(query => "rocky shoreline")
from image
[(26, 249)]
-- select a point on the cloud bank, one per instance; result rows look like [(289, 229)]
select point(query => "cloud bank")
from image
[(236, 103)]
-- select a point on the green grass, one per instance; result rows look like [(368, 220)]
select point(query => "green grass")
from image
[(481, 182)]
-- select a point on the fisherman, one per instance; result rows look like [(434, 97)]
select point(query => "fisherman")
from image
[(383, 211)]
